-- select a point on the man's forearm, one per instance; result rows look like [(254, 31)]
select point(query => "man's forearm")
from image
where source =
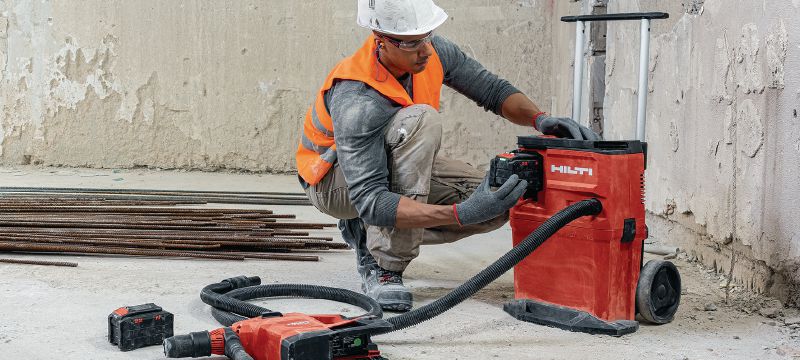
[(520, 110), (412, 214)]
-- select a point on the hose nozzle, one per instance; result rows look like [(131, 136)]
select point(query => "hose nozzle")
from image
[(196, 344)]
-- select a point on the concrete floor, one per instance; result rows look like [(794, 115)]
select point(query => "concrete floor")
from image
[(60, 313)]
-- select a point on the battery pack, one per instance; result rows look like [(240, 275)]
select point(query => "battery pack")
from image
[(133, 327), (528, 166)]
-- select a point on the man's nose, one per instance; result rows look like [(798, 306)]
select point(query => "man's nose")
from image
[(425, 51)]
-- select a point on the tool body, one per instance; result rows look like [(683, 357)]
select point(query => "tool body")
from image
[(293, 336)]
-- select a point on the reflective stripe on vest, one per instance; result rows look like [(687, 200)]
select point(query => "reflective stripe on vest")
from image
[(317, 124), (316, 152)]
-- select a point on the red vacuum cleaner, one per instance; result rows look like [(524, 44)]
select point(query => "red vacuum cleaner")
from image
[(589, 276)]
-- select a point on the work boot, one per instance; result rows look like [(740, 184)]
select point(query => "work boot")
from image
[(355, 236), (387, 288)]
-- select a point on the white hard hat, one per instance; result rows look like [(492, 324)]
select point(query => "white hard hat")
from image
[(400, 17)]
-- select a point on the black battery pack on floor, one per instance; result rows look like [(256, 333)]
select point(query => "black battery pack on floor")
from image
[(133, 327)]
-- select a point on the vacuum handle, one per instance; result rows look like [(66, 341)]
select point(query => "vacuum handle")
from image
[(644, 60), (616, 17)]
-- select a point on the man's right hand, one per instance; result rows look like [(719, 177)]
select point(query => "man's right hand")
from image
[(564, 128), (485, 204)]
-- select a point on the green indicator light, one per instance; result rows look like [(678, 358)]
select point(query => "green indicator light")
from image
[(357, 342)]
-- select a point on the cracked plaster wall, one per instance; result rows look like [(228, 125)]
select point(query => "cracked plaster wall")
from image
[(723, 132), (220, 84), (224, 84)]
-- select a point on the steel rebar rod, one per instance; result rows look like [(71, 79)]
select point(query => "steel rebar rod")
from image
[(68, 224), (39, 262), (155, 191), (152, 213), (324, 245), (270, 256), (286, 225), (275, 256), (5, 203), (256, 234), (140, 220), (321, 238), (116, 240), (278, 232), (140, 196), (187, 237), (46, 221), (269, 226), (253, 244), (133, 210), (45, 224), (199, 199), (115, 243), (10, 246)]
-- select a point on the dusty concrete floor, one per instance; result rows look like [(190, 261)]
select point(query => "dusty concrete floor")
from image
[(60, 313)]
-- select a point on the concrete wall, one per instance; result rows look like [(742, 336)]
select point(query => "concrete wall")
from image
[(220, 84), (723, 130), (224, 84)]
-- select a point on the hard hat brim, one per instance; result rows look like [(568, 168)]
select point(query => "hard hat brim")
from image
[(439, 18)]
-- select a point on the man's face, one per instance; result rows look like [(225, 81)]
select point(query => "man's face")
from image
[(401, 57)]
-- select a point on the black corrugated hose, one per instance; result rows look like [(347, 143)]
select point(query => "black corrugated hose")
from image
[(227, 297), (233, 346)]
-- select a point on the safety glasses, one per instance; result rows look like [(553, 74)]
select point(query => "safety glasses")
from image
[(409, 45)]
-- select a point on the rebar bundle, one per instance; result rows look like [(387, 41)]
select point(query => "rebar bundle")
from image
[(148, 223)]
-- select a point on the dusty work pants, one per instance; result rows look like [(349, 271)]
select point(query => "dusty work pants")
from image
[(412, 139)]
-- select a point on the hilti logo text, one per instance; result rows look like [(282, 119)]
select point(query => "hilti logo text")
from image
[(570, 170), (298, 323)]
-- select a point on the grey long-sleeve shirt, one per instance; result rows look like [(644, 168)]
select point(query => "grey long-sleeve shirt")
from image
[(360, 114)]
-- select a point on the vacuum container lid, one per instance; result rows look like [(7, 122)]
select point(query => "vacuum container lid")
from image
[(603, 147)]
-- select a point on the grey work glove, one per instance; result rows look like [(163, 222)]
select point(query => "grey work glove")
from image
[(564, 128), (485, 204)]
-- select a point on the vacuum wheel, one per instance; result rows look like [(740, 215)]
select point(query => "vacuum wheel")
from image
[(658, 292)]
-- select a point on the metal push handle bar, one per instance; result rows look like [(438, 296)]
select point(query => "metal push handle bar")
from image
[(644, 60), (616, 17)]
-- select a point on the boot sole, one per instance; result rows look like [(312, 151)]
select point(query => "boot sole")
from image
[(396, 307)]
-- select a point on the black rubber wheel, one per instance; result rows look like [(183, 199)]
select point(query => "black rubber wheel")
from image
[(658, 293)]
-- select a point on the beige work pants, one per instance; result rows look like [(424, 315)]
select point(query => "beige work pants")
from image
[(412, 139)]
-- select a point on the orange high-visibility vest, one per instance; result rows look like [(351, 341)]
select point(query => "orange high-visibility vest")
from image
[(317, 150)]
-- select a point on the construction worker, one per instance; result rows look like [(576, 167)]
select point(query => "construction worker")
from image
[(368, 153)]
